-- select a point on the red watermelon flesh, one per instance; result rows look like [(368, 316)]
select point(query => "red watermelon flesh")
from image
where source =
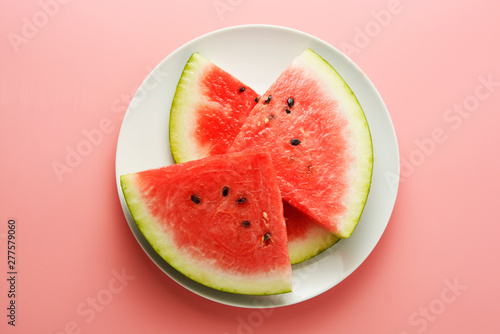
[(218, 220), (205, 124), (306, 238), (316, 132), (208, 109)]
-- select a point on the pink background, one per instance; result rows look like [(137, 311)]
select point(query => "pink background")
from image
[(66, 74)]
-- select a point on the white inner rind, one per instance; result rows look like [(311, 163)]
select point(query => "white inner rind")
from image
[(316, 241), (182, 122), (205, 273), (357, 131)]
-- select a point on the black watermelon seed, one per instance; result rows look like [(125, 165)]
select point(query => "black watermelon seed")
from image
[(257, 99), (195, 199), (290, 102), (288, 111), (267, 236), (225, 191), (241, 200), (295, 142), (268, 99), (242, 89), (245, 224)]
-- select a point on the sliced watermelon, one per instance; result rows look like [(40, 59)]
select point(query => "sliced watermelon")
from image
[(208, 109), (318, 137), (198, 129), (218, 220), (306, 238)]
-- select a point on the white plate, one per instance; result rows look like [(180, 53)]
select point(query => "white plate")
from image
[(256, 54)]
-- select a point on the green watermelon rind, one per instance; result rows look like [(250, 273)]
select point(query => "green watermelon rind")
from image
[(300, 251), (359, 124), (181, 139), (161, 242)]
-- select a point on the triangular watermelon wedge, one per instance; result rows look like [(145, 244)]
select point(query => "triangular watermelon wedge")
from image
[(218, 220), (208, 110), (319, 140), (306, 238)]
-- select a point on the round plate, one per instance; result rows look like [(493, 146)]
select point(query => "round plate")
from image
[(256, 54)]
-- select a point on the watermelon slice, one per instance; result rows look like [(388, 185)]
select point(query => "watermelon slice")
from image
[(205, 119), (306, 238), (218, 220), (208, 109), (318, 137)]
